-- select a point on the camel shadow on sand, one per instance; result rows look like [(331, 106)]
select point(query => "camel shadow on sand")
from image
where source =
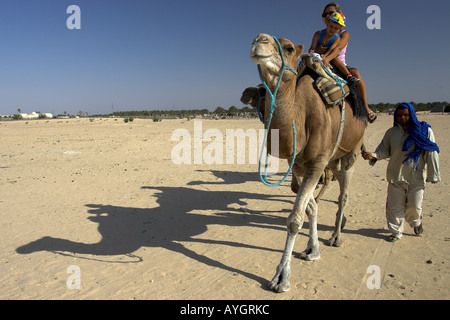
[(177, 219)]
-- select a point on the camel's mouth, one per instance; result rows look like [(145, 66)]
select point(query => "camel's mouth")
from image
[(259, 56), (257, 53), (262, 58), (261, 49)]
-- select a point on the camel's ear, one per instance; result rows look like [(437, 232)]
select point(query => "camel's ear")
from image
[(300, 49)]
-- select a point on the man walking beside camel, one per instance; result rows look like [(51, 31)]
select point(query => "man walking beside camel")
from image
[(414, 160)]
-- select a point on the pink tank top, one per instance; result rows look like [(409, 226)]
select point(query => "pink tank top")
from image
[(341, 55)]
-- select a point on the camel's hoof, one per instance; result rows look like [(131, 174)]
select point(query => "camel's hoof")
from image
[(337, 244), (279, 288), (309, 255), (280, 283), (335, 241)]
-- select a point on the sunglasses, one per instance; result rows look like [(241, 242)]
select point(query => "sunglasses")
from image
[(326, 14)]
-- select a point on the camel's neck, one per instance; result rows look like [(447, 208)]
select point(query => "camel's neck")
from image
[(284, 101), (283, 115)]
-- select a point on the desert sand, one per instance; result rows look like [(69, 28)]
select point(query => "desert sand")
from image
[(100, 203)]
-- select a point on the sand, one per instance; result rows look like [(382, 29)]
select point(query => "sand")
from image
[(97, 209)]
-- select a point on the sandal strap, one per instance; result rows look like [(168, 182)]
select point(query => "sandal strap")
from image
[(418, 229)]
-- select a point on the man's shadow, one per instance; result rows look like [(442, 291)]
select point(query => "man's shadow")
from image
[(124, 230)]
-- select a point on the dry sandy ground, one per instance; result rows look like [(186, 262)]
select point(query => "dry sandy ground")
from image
[(105, 196)]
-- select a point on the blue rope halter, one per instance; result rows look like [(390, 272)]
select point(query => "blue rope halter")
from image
[(272, 109)]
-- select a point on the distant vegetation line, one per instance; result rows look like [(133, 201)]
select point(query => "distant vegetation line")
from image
[(428, 106), (379, 107), (182, 112)]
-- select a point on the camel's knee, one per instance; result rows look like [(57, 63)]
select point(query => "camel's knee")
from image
[(294, 227), (350, 162), (294, 224), (343, 198)]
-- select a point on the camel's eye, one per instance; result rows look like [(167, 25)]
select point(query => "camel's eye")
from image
[(290, 49)]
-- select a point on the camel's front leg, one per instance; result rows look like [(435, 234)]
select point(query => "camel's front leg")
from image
[(280, 281)]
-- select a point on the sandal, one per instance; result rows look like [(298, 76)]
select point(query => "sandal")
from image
[(418, 230), (393, 238), (372, 117)]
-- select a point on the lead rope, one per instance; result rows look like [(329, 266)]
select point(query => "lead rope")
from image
[(272, 109)]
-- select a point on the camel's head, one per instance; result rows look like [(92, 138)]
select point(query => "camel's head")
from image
[(265, 52)]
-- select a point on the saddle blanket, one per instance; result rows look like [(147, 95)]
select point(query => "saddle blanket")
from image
[(331, 87)]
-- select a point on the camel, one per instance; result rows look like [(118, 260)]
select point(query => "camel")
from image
[(255, 97), (299, 105)]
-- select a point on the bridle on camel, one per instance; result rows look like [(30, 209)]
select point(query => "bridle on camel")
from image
[(272, 109)]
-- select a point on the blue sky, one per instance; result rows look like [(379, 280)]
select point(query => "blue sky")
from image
[(194, 54)]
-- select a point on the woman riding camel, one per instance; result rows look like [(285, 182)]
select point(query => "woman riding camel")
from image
[(338, 54), (329, 38)]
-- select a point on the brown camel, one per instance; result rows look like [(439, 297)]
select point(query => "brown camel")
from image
[(255, 97), (317, 126)]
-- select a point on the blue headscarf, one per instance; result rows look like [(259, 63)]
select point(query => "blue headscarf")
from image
[(418, 134)]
